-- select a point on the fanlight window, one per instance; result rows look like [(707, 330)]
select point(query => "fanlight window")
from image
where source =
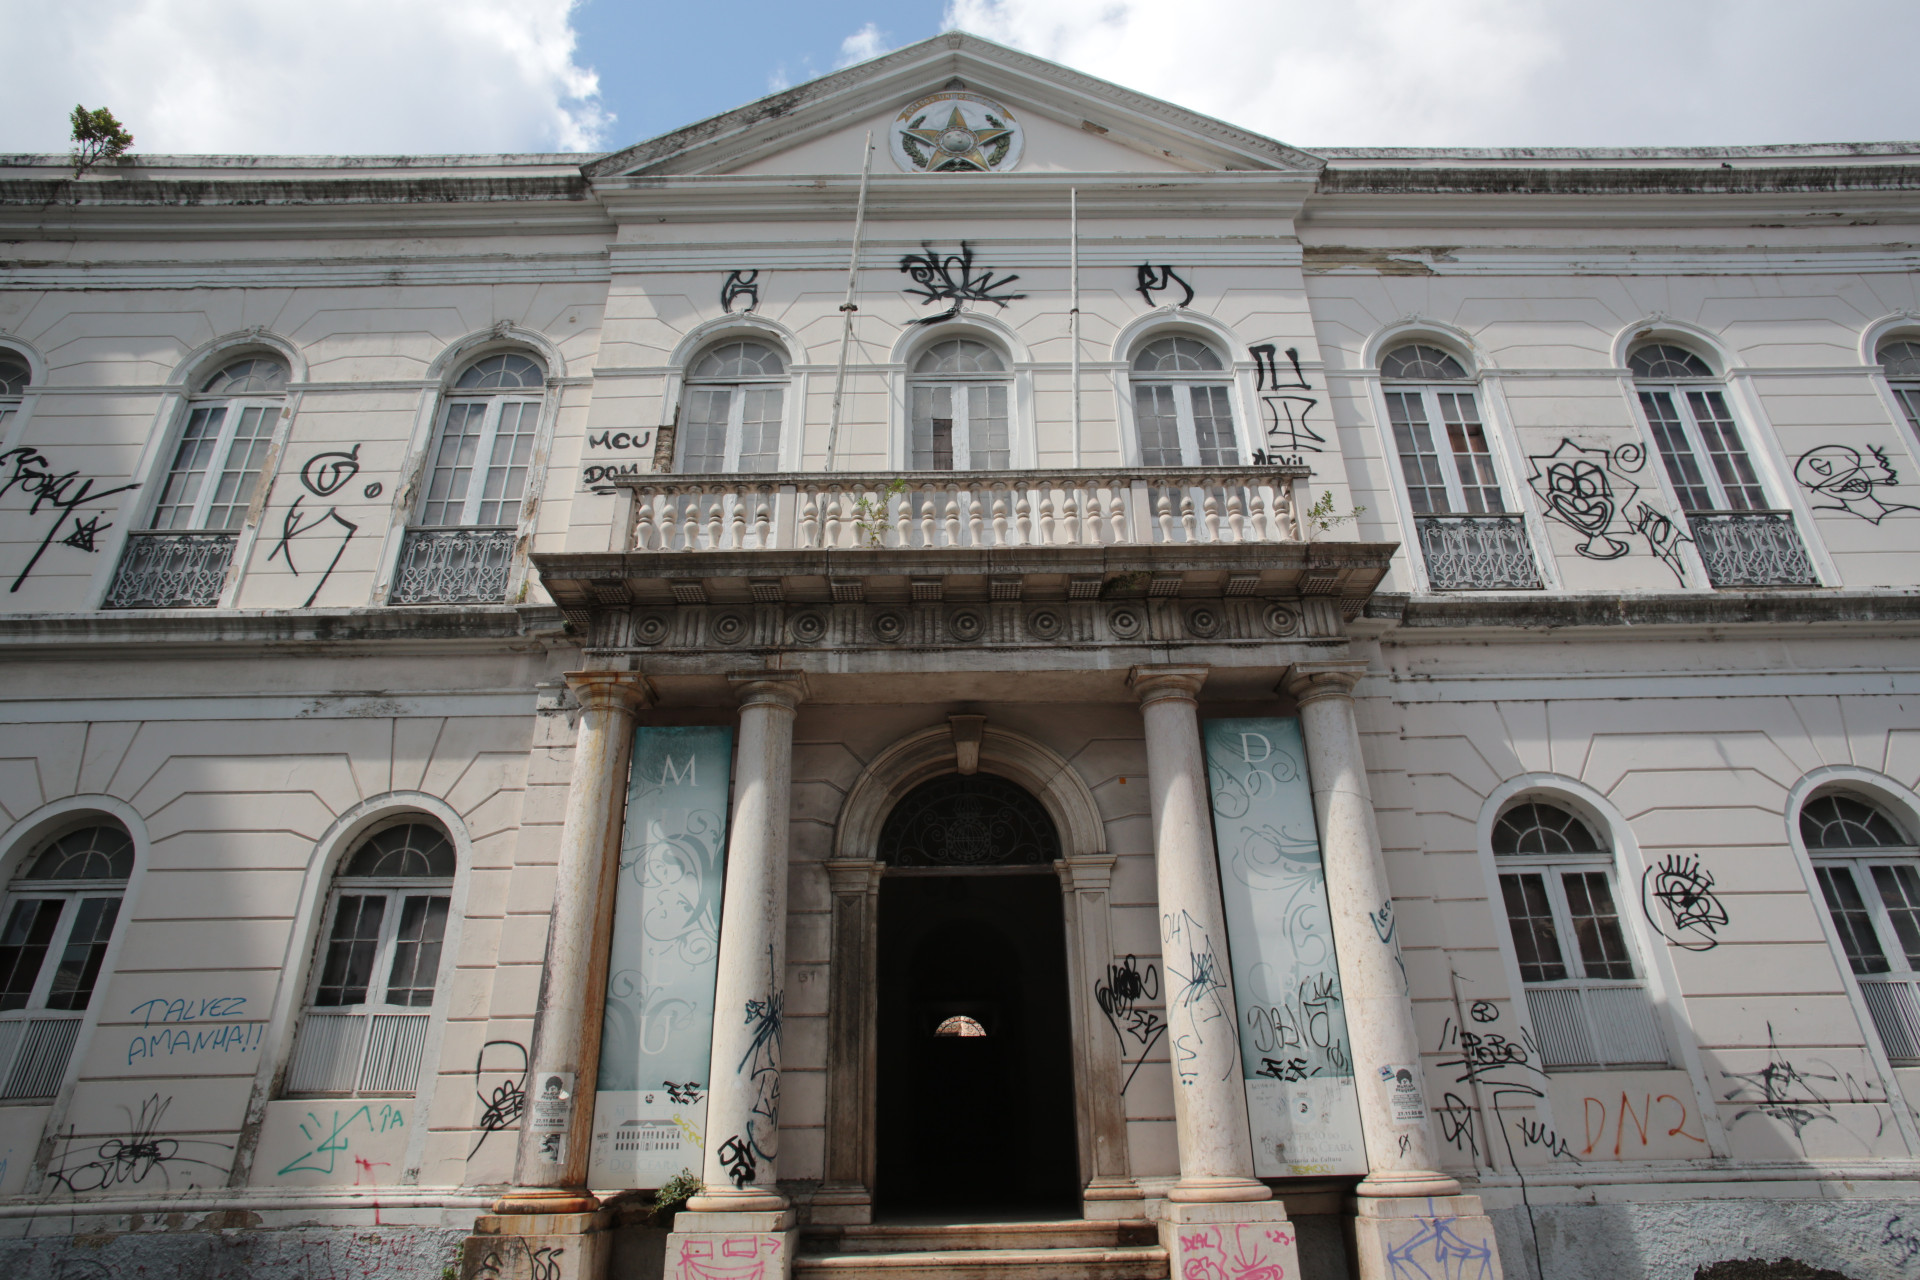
[(735, 397), (960, 1025), (1588, 1003), (1443, 449), (958, 408), (377, 973), (1695, 431), (216, 468), (14, 376), (59, 920), (1900, 359), (974, 820), (485, 445), (1869, 873), (1183, 405)]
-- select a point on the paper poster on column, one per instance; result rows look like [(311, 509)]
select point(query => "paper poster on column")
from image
[(1301, 1099), (651, 1111)]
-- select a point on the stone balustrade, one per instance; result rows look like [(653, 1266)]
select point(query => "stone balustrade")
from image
[(818, 511)]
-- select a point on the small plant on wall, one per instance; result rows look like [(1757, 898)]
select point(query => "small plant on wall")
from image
[(1325, 518)]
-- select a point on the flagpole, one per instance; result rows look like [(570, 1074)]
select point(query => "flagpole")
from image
[(1073, 274), (848, 307)]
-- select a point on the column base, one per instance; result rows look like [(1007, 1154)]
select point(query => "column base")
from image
[(537, 1246), (747, 1199), (1417, 1183), (705, 1245), (1229, 1239), (1112, 1200), (522, 1201), (1424, 1235), (1203, 1189)]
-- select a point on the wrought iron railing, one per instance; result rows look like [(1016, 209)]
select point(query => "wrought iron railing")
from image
[(1751, 549), (453, 566), (1477, 553), (827, 510), (161, 570)]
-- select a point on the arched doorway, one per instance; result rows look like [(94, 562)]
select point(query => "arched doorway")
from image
[(975, 1103)]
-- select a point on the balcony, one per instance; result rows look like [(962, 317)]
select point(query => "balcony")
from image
[(1751, 549), (161, 570), (827, 511), (1478, 553), (454, 566)]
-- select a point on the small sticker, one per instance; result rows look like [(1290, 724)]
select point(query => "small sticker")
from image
[(553, 1104), (553, 1147), (1403, 1089)]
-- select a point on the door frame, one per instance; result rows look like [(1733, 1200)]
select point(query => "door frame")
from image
[(1085, 872)]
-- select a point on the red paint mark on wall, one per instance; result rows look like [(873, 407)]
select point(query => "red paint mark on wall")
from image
[(1625, 1114)]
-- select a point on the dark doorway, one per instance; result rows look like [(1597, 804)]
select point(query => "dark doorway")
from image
[(976, 1108)]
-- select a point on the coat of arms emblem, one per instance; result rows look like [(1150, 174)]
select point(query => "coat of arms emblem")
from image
[(956, 132)]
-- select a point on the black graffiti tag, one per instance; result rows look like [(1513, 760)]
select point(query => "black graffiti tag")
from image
[(1693, 914), (1150, 280), (953, 279), (740, 284), (31, 473), (323, 475)]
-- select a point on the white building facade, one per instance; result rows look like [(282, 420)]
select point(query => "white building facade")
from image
[(961, 646)]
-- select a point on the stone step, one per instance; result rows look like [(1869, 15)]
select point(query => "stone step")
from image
[(1075, 1233), (1118, 1263)]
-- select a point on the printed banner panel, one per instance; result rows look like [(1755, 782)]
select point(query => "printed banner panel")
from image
[(1294, 1055), (654, 1046)]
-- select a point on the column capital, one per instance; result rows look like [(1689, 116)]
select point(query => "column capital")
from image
[(1155, 683), (853, 875), (1311, 681), (769, 688), (610, 690), (1087, 871)]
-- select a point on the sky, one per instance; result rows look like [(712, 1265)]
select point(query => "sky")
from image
[(426, 76)]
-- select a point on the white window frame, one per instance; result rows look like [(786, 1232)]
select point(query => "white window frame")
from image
[(34, 1029), (958, 384), (1183, 382), (737, 386), (1442, 449), (1578, 1011), (13, 405), (496, 402), (1675, 390), (370, 1048), (1892, 996), (271, 407), (1905, 387)]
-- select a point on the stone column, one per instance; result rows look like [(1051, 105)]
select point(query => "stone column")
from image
[(550, 1212), (1406, 1207), (741, 1212), (1099, 1048), (846, 1192), (1218, 1209), (566, 1033)]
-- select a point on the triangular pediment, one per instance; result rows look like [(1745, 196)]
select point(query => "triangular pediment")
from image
[(1069, 122)]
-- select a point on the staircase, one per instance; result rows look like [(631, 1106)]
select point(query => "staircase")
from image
[(1127, 1250)]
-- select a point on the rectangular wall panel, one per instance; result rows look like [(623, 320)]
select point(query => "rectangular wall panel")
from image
[(651, 1110), (1294, 1052)]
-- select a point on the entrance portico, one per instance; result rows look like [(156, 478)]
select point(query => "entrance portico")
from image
[(992, 697)]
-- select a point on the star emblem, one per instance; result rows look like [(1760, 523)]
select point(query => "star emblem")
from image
[(959, 145)]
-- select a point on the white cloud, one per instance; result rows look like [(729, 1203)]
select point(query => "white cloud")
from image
[(868, 42), (1495, 72), (303, 76)]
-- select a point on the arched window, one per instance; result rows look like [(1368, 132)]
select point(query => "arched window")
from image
[(1437, 432), (374, 981), (957, 396), (1698, 440), (1183, 405), (1869, 874), (1587, 999), (230, 421), (479, 470), (1900, 358), (14, 377), (736, 393), (59, 919)]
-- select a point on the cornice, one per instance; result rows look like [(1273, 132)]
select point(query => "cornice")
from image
[(1541, 180), (431, 630), (361, 272), (1400, 619)]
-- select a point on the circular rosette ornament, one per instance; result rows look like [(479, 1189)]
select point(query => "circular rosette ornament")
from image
[(956, 132)]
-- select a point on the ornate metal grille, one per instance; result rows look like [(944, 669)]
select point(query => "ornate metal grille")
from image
[(454, 566), (1751, 549), (975, 820), (171, 570), (1478, 553)]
